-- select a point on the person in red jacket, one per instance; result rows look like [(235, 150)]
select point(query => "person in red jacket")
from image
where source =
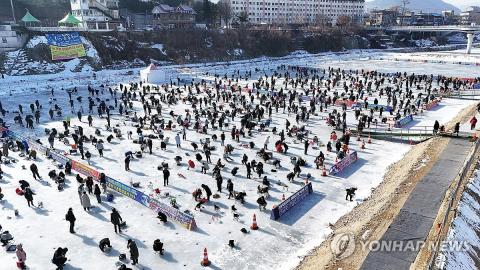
[(473, 123)]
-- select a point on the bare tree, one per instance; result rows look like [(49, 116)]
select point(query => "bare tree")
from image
[(321, 20), (404, 3), (225, 11), (343, 21)]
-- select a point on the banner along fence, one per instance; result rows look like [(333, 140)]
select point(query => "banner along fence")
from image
[(174, 214), (291, 201)]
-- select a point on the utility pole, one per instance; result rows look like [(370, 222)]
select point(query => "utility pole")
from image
[(13, 11)]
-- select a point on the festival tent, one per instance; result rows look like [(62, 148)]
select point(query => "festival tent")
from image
[(153, 74), (29, 19), (69, 20)]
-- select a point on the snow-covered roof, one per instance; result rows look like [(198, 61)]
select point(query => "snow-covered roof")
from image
[(186, 9), (162, 8)]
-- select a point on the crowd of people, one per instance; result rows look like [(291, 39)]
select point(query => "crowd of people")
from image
[(269, 117)]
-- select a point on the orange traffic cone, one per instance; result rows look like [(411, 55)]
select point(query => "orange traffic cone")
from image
[(205, 261), (369, 139), (254, 224), (363, 144), (324, 171), (306, 181), (283, 197)]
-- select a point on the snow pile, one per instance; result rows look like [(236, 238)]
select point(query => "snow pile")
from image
[(457, 38), (90, 49), (159, 47), (465, 228), (35, 40), (424, 43)]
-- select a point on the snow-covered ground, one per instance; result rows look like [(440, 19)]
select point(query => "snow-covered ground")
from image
[(465, 229), (277, 245)]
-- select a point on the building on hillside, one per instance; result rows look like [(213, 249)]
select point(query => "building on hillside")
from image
[(136, 21), (299, 12), (428, 19), (93, 12), (165, 16), (449, 17), (387, 17), (470, 15), (10, 39)]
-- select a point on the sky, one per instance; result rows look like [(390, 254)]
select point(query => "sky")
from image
[(461, 4)]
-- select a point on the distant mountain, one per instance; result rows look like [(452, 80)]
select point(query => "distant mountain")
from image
[(436, 6)]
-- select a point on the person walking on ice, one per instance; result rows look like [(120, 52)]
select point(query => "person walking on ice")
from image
[(116, 220), (70, 217)]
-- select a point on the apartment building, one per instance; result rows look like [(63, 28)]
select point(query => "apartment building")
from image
[(298, 11)]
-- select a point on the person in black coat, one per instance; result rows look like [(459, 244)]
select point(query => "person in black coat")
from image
[(23, 184), (29, 196), (166, 175), (116, 220), (162, 217), (132, 246), (230, 188), (68, 168), (59, 257), (103, 244), (34, 170), (208, 192), (97, 193), (127, 163), (219, 181), (89, 183), (70, 217), (158, 246)]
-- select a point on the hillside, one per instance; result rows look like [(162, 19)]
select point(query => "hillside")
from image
[(416, 5), (44, 10)]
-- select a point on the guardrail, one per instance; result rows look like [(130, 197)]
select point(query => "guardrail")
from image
[(463, 175), (427, 28), (66, 29)]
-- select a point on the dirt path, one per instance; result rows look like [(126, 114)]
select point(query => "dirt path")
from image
[(369, 220)]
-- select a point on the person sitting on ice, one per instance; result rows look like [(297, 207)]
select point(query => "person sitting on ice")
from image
[(105, 245), (158, 246), (201, 201), (5, 237), (290, 176), (197, 194), (262, 190), (262, 203), (240, 196), (124, 267), (59, 257), (52, 174), (265, 181), (162, 217)]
